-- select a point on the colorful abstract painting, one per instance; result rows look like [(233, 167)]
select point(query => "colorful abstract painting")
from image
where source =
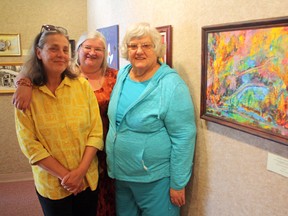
[(246, 78), (111, 34)]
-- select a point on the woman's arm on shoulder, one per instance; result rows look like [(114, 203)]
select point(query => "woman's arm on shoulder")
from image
[(22, 97)]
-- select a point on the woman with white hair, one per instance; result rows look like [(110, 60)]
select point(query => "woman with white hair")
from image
[(91, 62), (151, 137)]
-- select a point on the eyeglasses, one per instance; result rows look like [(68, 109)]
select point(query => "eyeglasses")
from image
[(52, 28), (143, 46), (94, 49)]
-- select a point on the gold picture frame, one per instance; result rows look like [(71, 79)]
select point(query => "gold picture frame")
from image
[(10, 45), (8, 73)]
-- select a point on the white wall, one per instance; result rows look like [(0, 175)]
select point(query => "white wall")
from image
[(230, 175)]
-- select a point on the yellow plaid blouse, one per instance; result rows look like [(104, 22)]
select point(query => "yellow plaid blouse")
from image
[(61, 126)]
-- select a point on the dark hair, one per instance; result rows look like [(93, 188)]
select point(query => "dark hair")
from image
[(33, 67)]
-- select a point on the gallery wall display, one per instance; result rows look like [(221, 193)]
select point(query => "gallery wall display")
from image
[(111, 34), (166, 32), (245, 77), (8, 73), (10, 45)]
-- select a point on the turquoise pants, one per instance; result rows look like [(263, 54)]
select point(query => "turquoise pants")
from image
[(145, 199)]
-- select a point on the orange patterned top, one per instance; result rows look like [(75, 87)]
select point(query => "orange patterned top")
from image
[(103, 97), (106, 196)]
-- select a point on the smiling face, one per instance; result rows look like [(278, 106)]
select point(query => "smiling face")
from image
[(143, 58), (91, 53), (54, 54)]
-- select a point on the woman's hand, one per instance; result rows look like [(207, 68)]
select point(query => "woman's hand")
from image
[(73, 181), (22, 97), (177, 197)]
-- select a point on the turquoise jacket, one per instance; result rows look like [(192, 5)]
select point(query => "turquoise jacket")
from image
[(156, 137)]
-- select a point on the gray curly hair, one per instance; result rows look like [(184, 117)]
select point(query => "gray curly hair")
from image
[(139, 30)]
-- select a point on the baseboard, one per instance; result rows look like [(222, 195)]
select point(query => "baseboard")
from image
[(14, 177)]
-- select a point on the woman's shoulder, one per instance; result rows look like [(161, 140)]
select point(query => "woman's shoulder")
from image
[(111, 72), (169, 75), (78, 81), (172, 81), (124, 70)]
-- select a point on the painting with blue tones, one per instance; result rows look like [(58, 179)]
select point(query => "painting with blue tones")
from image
[(245, 77), (111, 34)]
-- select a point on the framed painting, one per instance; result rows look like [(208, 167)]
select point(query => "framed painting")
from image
[(8, 73), (111, 34), (166, 33), (245, 77), (10, 45), (72, 48)]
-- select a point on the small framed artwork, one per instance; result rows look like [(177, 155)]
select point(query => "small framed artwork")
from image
[(245, 77), (8, 73), (72, 48), (10, 45), (166, 33), (111, 34)]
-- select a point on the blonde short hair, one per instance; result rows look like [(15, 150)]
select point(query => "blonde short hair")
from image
[(86, 36)]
